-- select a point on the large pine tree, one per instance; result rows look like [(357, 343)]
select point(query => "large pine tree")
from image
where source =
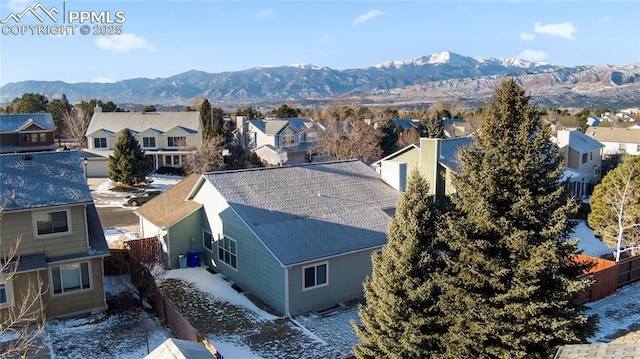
[(510, 280), (127, 164), (400, 319)]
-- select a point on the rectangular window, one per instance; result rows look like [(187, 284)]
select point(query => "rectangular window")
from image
[(49, 223), (227, 252), (590, 156), (70, 278), (148, 142), (34, 137), (100, 142), (207, 240), (584, 158), (316, 276), (5, 295), (176, 141), (43, 137)]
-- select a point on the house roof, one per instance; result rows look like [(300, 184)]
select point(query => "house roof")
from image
[(15, 122), (273, 127), (582, 143), (173, 348), (449, 151), (188, 121), (614, 134), (599, 351), (175, 198), (44, 179), (405, 123), (312, 211)]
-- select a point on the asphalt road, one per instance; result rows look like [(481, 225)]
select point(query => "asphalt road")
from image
[(116, 217)]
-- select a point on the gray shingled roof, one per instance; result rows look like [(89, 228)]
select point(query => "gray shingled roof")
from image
[(44, 179), (312, 211), (14, 122), (599, 351), (140, 121), (449, 151), (583, 143)]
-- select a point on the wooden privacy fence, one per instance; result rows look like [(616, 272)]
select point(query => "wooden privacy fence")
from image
[(122, 260), (144, 249), (609, 276)]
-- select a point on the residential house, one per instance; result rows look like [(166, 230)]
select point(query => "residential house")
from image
[(166, 137), (177, 229), (435, 158), (287, 141), (47, 202), (27, 132), (300, 237), (173, 348), (617, 140), (583, 156)]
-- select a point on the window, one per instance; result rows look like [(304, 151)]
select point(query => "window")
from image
[(590, 156), (43, 137), (34, 137), (622, 147), (172, 160), (207, 240), (6, 299), (584, 158), (149, 142), (315, 276), (176, 141), (227, 251), (70, 278), (100, 142), (49, 223), (288, 138)]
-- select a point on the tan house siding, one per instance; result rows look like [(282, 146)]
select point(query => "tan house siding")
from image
[(84, 300), (21, 284), (429, 154), (21, 224)]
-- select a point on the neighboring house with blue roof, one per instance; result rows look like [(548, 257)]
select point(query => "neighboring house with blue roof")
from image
[(287, 141), (583, 155), (435, 158), (166, 137), (300, 238), (47, 202), (27, 132)]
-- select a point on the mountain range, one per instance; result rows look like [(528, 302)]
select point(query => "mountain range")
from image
[(442, 76)]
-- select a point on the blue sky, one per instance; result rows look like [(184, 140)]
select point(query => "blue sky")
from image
[(164, 38)]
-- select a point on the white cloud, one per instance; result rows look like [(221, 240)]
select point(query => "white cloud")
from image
[(526, 36), (325, 39), (533, 55), (605, 20), (123, 43), (366, 17), (265, 13), (565, 29)]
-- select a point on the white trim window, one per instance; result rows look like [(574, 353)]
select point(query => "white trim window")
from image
[(52, 223), (228, 251), (176, 141), (100, 142), (6, 294), (148, 142), (173, 160), (315, 276), (72, 277), (207, 240)]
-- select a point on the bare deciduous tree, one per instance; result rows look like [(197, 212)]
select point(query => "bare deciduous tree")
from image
[(407, 138), (75, 125), (22, 319), (208, 158), (344, 140)]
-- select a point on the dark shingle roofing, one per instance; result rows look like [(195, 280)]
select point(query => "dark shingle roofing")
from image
[(14, 122), (309, 212), (45, 179)]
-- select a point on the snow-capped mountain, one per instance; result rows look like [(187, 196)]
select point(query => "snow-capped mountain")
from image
[(443, 75)]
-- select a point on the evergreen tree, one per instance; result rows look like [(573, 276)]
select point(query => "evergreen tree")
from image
[(390, 134), (434, 126), (615, 206), (510, 279), (205, 117), (127, 164), (400, 319)]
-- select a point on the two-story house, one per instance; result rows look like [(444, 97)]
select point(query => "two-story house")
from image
[(166, 137), (281, 141), (583, 159), (27, 132), (617, 140), (47, 203)]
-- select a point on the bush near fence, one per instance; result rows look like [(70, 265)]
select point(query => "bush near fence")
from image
[(122, 261)]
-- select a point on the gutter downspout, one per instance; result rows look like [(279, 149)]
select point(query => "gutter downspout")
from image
[(286, 292)]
